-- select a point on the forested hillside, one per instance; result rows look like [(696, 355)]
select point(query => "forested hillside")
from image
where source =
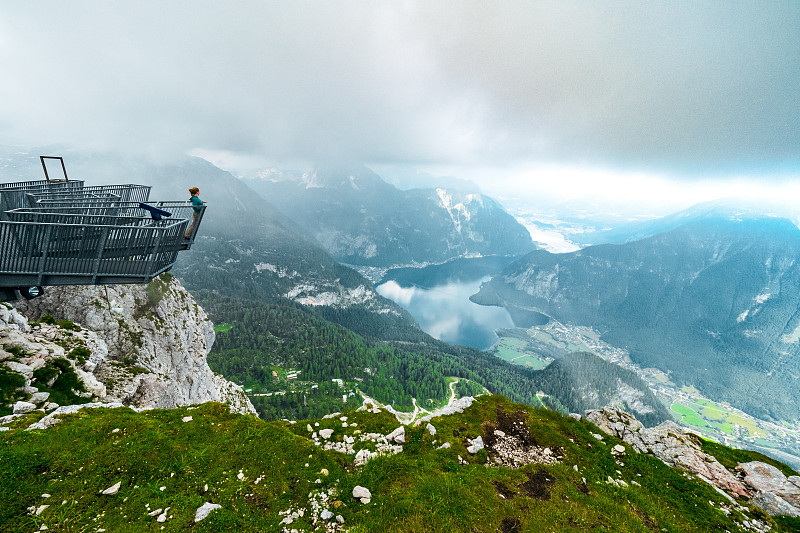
[(259, 338), (714, 302), (583, 380)]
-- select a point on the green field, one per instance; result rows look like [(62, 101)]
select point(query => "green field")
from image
[(569, 347), (682, 409), (703, 412), (515, 351), (711, 411), (509, 348), (688, 415), (725, 427), (222, 328)]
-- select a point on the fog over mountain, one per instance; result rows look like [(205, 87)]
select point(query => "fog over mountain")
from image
[(605, 99), (360, 219), (574, 163)]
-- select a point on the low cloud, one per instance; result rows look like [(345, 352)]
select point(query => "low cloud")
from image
[(684, 89)]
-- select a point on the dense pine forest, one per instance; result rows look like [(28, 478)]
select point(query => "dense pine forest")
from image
[(288, 356)]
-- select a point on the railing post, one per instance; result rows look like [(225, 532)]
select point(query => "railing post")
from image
[(153, 255), (45, 247), (99, 253)]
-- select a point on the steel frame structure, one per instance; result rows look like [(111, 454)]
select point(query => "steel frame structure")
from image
[(65, 233)]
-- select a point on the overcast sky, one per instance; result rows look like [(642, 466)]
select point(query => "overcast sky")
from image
[(599, 94)]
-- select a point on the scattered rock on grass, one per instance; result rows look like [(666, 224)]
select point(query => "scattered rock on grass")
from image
[(362, 457), (476, 444), (21, 408), (204, 510), (398, 435), (362, 493), (113, 489)]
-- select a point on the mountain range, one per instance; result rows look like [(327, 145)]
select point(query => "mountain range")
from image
[(362, 220), (250, 258), (713, 302), (732, 208)]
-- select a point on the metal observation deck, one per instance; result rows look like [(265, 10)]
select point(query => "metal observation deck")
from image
[(65, 233)]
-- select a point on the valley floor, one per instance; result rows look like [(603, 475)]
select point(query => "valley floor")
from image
[(537, 346)]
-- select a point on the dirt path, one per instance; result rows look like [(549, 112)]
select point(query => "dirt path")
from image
[(405, 417), (452, 392)]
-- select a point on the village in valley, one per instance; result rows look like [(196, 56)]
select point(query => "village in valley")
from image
[(537, 346)]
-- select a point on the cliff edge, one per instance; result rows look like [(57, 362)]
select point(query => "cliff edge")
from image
[(144, 346)]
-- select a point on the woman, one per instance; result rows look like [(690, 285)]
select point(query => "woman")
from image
[(197, 205)]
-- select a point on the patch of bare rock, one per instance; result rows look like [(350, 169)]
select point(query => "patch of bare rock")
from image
[(761, 484), (509, 442)]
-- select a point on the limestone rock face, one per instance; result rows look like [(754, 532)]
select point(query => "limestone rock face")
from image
[(150, 347), (618, 423), (765, 485), (669, 443), (13, 320), (25, 349), (766, 478), (774, 504)]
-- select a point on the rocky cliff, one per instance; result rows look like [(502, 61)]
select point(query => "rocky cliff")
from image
[(763, 484), (142, 346)]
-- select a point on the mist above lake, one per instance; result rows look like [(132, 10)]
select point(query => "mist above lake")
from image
[(445, 312)]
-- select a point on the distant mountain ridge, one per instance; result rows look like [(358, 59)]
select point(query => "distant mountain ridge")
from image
[(728, 208), (362, 220), (716, 302)]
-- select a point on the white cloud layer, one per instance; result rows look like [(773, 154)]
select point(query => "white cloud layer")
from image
[(680, 89)]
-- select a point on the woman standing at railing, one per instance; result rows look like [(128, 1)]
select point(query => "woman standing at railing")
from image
[(197, 205)]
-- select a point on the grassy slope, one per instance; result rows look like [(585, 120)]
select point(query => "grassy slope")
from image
[(421, 489)]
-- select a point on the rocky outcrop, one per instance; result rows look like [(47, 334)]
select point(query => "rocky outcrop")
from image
[(669, 443), (52, 418), (765, 485), (775, 493), (147, 344), (40, 355)]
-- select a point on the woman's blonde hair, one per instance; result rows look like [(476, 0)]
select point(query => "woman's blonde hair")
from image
[(194, 190)]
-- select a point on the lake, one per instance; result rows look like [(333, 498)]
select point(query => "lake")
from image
[(445, 312)]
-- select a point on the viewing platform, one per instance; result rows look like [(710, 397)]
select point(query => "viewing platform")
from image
[(65, 233)]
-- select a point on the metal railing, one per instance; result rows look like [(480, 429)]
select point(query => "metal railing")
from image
[(14, 195), (110, 207), (64, 233), (31, 185), (56, 252), (123, 193)]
